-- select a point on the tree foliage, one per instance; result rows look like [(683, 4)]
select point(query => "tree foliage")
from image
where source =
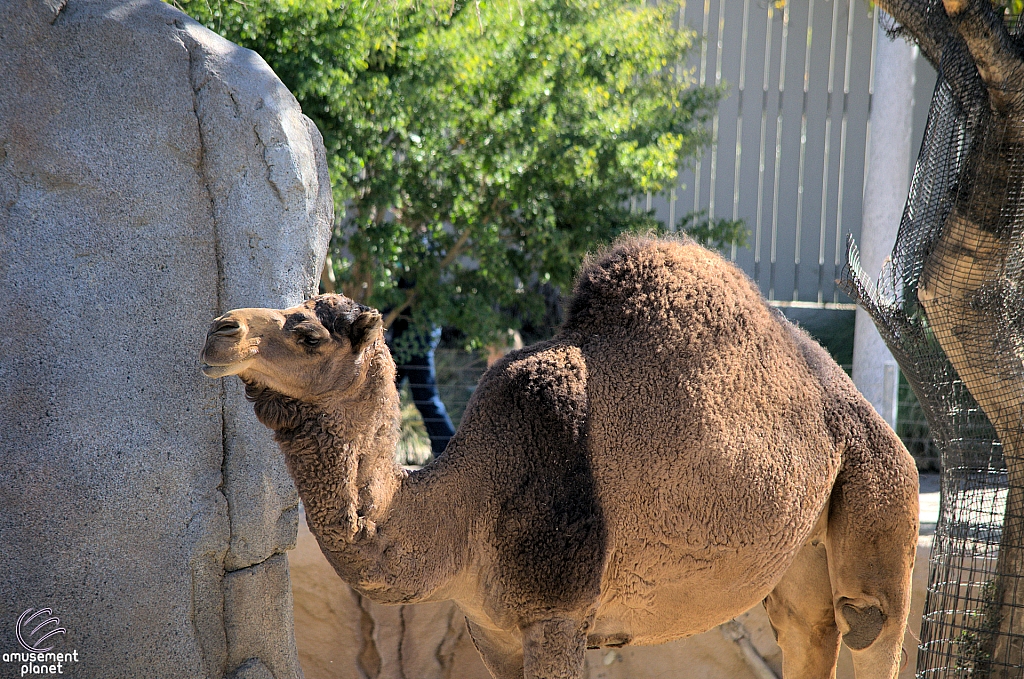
[(481, 148)]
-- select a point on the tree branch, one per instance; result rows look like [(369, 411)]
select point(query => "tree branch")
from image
[(455, 250), (926, 22), (410, 295), (993, 51)]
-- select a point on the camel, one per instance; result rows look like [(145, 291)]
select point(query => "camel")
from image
[(677, 453)]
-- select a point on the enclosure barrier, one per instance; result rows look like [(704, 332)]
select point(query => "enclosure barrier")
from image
[(955, 281)]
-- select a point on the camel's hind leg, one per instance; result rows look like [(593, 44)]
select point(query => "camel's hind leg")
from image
[(871, 543), (800, 610)]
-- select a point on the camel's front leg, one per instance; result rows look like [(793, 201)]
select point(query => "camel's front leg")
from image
[(554, 649)]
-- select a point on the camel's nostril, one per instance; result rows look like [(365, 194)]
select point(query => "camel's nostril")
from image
[(226, 327)]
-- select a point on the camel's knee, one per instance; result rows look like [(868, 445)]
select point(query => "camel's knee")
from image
[(871, 611), (872, 598), (875, 637), (865, 623)]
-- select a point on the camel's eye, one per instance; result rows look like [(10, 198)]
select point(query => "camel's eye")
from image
[(307, 336)]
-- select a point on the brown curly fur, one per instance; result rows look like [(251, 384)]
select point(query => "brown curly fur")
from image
[(676, 454)]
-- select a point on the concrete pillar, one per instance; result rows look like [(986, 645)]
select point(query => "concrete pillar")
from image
[(889, 156)]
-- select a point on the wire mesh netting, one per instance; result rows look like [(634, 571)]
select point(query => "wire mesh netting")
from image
[(950, 305), (913, 429)]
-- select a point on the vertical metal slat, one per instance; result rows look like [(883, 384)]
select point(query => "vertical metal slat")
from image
[(828, 147), (837, 262), (803, 153), (761, 153), (739, 121), (778, 154)]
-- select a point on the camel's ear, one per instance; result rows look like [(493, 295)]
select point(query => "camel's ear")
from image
[(364, 329)]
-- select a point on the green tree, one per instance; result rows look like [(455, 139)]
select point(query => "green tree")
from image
[(479, 149)]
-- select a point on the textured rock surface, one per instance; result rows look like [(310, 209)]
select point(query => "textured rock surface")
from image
[(151, 175)]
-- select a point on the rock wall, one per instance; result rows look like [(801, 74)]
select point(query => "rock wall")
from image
[(152, 175)]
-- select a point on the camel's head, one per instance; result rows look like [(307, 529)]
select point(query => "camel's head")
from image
[(305, 352)]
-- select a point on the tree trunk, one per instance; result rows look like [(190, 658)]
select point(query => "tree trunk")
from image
[(964, 295), (970, 288)]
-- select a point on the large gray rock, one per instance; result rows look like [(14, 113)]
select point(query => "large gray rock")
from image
[(152, 175)]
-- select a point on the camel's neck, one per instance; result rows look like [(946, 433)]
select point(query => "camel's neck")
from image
[(358, 501), (341, 455)]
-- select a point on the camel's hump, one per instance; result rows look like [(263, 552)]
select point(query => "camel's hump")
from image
[(649, 280)]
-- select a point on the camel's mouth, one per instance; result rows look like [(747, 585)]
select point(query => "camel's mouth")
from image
[(222, 357), (216, 371)]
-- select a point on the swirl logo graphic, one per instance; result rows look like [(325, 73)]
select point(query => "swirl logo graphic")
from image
[(45, 629)]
